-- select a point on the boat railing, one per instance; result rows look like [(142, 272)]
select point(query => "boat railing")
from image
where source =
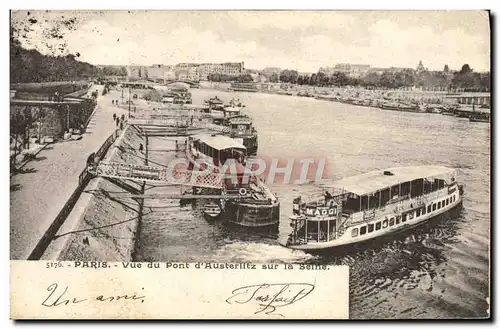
[(397, 207)]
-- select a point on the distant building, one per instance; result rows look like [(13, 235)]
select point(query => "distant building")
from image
[(192, 73), (268, 71), (169, 74), (327, 70), (420, 67), (136, 72), (156, 71), (352, 70), (206, 69), (181, 74), (378, 70)]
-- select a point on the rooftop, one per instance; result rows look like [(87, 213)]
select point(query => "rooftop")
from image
[(376, 180), (219, 142)]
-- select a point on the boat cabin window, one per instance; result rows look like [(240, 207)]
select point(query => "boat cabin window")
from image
[(448, 201), (442, 204), (323, 231), (417, 187), (423, 210), (351, 204), (418, 212), (430, 186), (434, 207), (384, 223), (429, 208), (332, 229), (362, 230), (439, 205), (405, 189), (391, 221), (378, 226), (453, 198), (354, 232), (312, 231), (398, 219), (370, 228), (384, 196), (404, 218), (395, 192), (439, 183)]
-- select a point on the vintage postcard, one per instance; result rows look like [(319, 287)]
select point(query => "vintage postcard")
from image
[(250, 164)]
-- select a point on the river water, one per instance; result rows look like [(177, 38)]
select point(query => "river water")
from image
[(438, 270)]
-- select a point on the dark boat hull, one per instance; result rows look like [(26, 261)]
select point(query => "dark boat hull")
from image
[(255, 215)]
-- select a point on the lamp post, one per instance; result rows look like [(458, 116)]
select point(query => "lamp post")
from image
[(129, 102)]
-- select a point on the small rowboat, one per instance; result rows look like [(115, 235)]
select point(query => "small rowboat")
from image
[(211, 210)]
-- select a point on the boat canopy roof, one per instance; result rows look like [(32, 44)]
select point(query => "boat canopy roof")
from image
[(219, 142), (215, 100), (374, 181), (242, 120), (232, 109)]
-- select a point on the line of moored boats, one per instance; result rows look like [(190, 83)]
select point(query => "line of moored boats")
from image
[(352, 210)]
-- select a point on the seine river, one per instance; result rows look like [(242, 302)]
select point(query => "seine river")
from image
[(439, 270)]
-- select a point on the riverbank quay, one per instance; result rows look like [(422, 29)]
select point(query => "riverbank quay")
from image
[(103, 224), (459, 104), (40, 190)]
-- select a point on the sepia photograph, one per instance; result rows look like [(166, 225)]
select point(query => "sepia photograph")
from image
[(305, 141)]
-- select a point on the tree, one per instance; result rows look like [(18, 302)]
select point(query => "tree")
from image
[(465, 69), (245, 78), (313, 81), (339, 79), (446, 69), (274, 77), (465, 79)]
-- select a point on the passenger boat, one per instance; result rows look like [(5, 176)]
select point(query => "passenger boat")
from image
[(214, 103), (372, 205), (243, 131), (241, 125), (252, 203)]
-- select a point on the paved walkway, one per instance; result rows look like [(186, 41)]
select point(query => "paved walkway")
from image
[(39, 192)]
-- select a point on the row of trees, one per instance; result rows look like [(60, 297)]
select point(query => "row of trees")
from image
[(32, 66), (217, 77), (464, 79), (20, 125)]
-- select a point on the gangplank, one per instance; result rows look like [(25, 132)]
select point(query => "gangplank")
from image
[(158, 174), (182, 196), (179, 123)]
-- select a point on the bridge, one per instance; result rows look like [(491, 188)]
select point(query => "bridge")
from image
[(191, 83)]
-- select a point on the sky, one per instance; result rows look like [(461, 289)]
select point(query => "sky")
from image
[(304, 41)]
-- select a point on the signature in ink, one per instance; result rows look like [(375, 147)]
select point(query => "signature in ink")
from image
[(269, 297), (60, 297)]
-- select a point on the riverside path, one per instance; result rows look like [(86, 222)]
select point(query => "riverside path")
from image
[(41, 189)]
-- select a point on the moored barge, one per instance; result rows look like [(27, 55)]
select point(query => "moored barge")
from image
[(245, 201)]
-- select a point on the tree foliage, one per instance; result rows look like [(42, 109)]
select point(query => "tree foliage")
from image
[(403, 78), (217, 77)]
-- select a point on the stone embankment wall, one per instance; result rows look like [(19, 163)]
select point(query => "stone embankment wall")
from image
[(106, 229), (54, 116)]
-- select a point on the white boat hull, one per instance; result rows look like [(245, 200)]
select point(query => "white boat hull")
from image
[(347, 239)]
